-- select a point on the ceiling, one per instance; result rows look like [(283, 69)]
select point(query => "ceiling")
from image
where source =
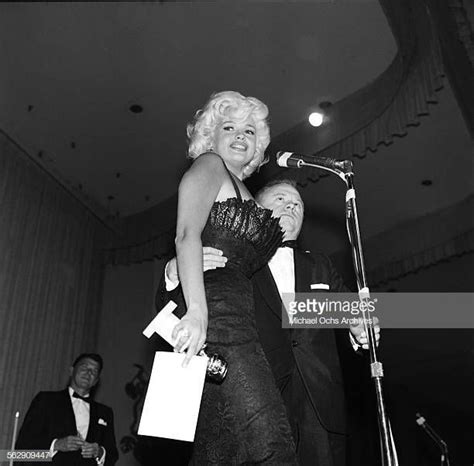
[(72, 71)]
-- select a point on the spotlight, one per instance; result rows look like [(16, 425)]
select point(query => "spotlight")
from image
[(316, 119)]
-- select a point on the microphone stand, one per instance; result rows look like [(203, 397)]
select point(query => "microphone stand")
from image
[(15, 428), (346, 173)]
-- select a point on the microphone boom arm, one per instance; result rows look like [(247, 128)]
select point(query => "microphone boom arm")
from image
[(345, 169)]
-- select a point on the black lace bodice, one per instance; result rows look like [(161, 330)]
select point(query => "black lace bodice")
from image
[(246, 233)]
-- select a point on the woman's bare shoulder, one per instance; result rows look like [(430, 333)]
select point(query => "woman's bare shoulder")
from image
[(207, 170), (210, 160)]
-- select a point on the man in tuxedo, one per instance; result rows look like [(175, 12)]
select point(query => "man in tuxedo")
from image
[(77, 430), (305, 362)]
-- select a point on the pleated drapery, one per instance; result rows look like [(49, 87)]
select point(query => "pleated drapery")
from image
[(50, 282), (385, 108), (418, 243)]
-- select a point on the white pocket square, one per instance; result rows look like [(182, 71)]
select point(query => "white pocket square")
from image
[(319, 286), (101, 422)]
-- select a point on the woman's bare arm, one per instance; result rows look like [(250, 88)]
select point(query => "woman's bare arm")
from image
[(197, 192)]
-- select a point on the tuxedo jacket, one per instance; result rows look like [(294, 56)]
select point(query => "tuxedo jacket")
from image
[(313, 351), (51, 416)]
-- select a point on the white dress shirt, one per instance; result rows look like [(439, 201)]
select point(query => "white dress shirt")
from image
[(81, 413), (282, 267), (170, 284)]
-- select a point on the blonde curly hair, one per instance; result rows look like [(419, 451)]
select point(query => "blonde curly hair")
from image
[(220, 105)]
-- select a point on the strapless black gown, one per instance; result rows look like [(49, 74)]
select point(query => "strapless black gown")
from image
[(243, 419)]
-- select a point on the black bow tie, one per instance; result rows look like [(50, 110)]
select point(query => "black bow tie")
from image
[(83, 398), (289, 244)]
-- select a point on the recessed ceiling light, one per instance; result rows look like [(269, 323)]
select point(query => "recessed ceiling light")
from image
[(135, 108), (316, 119)]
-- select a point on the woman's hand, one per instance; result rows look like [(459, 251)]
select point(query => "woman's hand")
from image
[(190, 334)]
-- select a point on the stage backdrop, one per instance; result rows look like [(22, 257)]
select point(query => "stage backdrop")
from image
[(50, 282), (127, 307)]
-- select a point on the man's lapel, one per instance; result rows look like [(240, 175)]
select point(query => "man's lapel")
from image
[(303, 272), (69, 418), (92, 431), (268, 289), (267, 286)]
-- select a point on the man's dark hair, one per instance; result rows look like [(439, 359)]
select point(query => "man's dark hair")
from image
[(94, 356), (275, 182)]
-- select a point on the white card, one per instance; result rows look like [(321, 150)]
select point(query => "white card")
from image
[(173, 398)]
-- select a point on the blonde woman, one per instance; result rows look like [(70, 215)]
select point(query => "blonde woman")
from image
[(243, 419)]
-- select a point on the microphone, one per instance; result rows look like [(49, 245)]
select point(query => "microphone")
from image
[(421, 421), (294, 160)]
